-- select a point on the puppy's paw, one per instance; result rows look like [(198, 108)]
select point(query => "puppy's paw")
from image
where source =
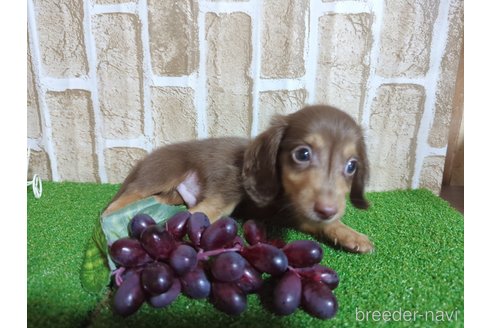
[(357, 243), (348, 239)]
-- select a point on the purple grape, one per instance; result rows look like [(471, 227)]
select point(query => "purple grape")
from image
[(318, 300), (129, 271), (266, 258), (157, 278), (139, 223), (183, 259), (195, 283), (164, 299), (218, 234), (279, 243), (254, 232), (129, 296), (228, 298), (287, 293), (197, 223), (128, 252), (237, 242), (329, 277), (251, 280), (176, 224), (320, 273), (228, 267), (157, 242), (303, 253)]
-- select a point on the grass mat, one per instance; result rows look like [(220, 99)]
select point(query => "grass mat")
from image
[(416, 272)]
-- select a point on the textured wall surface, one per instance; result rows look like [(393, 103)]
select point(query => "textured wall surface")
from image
[(110, 80), (228, 38), (343, 60)]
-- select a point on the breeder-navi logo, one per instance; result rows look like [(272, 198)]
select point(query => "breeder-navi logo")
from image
[(406, 315)]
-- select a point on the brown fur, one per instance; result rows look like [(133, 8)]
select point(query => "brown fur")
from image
[(260, 177)]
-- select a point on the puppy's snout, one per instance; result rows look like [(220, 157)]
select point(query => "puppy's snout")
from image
[(325, 211)]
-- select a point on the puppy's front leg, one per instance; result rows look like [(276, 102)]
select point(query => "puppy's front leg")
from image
[(123, 200), (340, 234), (215, 207)]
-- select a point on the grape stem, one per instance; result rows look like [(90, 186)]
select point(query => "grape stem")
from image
[(118, 275), (295, 270), (204, 255)]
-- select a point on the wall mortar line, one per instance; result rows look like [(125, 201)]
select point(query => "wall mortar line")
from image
[(256, 29), (121, 8), (301, 82), (185, 81), (57, 84), (402, 80), (139, 142), (437, 51), (46, 127), (35, 143), (345, 7), (201, 91), (281, 84), (91, 54), (373, 80), (225, 7), (311, 61), (433, 151), (149, 141)]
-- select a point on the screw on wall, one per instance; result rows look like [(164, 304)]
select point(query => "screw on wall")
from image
[(37, 186)]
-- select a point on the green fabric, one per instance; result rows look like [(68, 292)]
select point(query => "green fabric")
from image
[(418, 266), (115, 225), (95, 273), (96, 269)]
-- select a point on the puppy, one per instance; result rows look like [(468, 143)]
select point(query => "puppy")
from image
[(299, 170)]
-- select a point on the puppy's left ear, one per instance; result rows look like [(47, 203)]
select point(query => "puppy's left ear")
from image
[(361, 176), (260, 175)]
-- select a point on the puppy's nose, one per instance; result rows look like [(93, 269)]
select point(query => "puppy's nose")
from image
[(325, 211)]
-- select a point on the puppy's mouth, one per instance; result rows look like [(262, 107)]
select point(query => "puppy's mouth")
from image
[(326, 211), (322, 211), (323, 218)]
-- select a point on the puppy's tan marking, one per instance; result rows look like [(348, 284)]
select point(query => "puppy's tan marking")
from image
[(316, 141), (215, 207), (122, 201), (304, 185), (349, 150), (164, 193), (301, 187), (170, 198)]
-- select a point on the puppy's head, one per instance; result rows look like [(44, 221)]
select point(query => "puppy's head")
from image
[(315, 157)]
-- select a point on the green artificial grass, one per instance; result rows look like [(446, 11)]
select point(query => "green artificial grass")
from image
[(417, 267)]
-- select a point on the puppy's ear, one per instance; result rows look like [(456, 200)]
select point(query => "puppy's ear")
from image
[(260, 177), (360, 178)]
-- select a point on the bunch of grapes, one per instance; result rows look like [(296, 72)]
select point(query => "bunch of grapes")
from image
[(187, 254)]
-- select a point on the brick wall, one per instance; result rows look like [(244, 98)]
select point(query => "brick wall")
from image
[(109, 80)]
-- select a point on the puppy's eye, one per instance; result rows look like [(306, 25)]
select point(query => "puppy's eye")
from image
[(350, 167), (301, 154)]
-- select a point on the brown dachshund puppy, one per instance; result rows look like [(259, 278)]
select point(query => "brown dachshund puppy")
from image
[(300, 169)]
